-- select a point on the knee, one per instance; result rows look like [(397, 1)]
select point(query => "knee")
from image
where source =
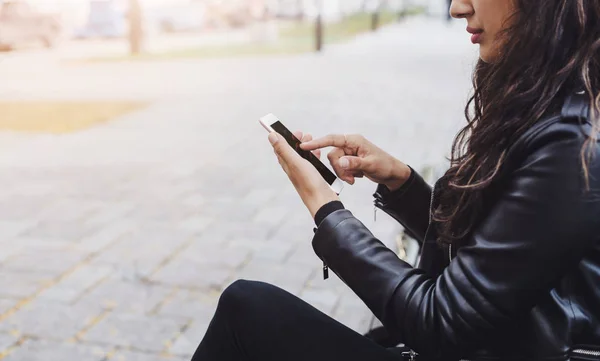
[(244, 294), (238, 293), (246, 303)]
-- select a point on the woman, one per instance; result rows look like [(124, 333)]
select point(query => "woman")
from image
[(510, 263)]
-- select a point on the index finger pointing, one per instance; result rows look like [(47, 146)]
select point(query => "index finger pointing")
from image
[(332, 140)]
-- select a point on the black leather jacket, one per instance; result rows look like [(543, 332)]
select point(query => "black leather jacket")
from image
[(526, 286)]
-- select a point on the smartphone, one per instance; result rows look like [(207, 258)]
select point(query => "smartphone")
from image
[(272, 124)]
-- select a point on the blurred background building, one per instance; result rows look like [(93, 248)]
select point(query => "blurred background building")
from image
[(105, 19)]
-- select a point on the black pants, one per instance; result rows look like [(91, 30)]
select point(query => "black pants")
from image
[(256, 321)]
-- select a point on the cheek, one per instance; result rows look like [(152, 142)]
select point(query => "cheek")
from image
[(504, 10), (494, 14)]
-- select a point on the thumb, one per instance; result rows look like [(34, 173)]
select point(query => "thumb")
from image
[(351, 163), (281, 146), (273, 138)]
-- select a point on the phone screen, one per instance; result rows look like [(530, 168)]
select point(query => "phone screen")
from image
[(308, 155)]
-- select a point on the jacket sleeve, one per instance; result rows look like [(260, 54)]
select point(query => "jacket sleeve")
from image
[(539, 228), (409, 205)]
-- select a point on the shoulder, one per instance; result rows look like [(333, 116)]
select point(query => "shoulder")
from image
[(557, 134), (563, 134), (549, 156)]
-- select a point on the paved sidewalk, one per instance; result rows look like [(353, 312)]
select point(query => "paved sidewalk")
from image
[(116, 242)]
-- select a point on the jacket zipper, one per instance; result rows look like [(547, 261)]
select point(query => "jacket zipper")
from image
[(429, 225), (325, 266), (430, 212), (586, 352), (409, 355), (575, 351)]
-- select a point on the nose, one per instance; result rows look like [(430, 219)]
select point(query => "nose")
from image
[(461, 9)]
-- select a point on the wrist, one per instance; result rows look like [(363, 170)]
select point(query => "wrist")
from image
[(400, 174), (317, 202)]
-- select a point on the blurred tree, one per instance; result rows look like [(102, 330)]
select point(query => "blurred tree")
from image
[(135, 27), (375, 15), (319, 26)]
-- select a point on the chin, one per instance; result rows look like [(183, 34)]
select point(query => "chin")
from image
[(485, 60), (485, 56)]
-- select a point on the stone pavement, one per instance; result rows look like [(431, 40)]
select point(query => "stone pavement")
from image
[(115, 242)]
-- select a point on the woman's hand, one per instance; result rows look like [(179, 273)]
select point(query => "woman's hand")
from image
[(355, 157), (309, 183)]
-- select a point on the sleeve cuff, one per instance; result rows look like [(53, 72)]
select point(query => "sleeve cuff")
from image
[(384, 194), (326, 210), (404, 186)]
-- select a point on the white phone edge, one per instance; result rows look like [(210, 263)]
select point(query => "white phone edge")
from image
[(269, 119), (337, 186)]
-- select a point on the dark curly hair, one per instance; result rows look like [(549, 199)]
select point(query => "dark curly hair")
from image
[(551, 48)]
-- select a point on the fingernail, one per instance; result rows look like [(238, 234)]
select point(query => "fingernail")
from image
[(344, 163), (273, 138)]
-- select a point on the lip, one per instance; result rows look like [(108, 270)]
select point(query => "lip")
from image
[(476, 34)]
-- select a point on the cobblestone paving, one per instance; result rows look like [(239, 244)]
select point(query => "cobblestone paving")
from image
[(116, 242)]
